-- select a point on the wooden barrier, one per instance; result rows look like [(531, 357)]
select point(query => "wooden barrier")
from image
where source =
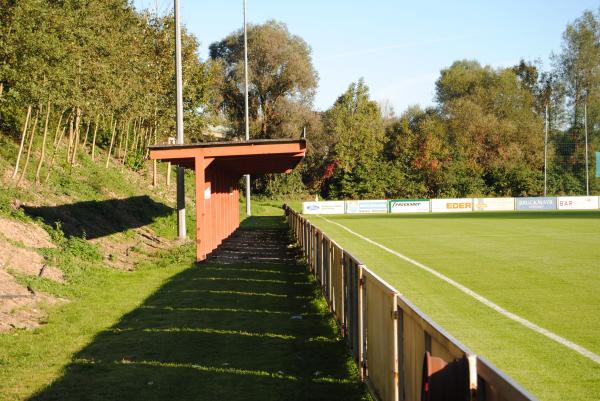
[(395, 345), (381, 333)]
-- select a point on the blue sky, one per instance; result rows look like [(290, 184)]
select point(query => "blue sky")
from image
[(398, 47)]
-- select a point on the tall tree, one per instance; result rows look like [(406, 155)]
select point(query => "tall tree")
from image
[(281, 74), (354, 122), (577, 66)]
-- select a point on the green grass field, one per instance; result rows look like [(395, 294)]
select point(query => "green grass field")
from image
[(542, 266)]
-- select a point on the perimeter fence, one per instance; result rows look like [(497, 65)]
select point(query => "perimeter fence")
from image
[(401, 354)]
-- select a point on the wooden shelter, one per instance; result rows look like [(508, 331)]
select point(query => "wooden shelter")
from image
[(218, 167)]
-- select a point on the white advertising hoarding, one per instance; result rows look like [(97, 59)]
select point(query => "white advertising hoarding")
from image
[(409, 206), (577, 202), (452, 205), (493, 204), (536, 203), (366, 206), (326, 207)]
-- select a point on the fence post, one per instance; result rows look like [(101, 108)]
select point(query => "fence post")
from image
[(362, 328)]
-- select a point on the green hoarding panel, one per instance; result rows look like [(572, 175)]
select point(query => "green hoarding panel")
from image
[(598, 164)]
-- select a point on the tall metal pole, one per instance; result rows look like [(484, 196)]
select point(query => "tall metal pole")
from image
[(546, 153), (248, 209), (587, 170), (181, 231)]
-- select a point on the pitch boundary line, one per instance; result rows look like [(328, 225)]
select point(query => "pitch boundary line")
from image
[(530, 325)]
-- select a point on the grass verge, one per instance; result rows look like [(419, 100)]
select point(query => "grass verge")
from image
[(174, 330)]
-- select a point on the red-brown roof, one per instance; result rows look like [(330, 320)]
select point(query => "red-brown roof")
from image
[(238, 158)]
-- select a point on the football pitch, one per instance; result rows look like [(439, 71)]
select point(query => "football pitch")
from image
[(519, 288)]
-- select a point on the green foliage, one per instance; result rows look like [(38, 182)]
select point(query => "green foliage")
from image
[(277, 186), (101, 57), (282, 80), (356, 125)]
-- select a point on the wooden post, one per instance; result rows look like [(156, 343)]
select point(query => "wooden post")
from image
[(16, 170), (43, 153), (200, 209), (94, 136), (60, 137), (33, 129), (112, 140), (76, 137)]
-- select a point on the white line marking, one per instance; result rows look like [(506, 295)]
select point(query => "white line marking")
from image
[(530, 325)]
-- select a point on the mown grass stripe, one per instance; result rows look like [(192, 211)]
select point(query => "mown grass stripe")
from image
[(530, 325)]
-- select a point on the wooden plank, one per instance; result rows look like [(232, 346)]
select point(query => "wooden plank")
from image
[(382, 352), (438, 334), (200, 242), (493, 385), (413, 352), (337, 283)]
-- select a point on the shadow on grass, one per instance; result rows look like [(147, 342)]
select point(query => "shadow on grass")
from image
[(95, 219), (217, 332), (262, 222), (517, 215)]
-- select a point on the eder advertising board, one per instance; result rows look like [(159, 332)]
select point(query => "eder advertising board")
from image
[(366, 206), (577, 202), (409, 206), (326, 207), (452, 205), (538, 203), (493, 204)]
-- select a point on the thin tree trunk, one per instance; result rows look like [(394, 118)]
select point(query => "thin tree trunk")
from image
[(94, 137), (154, 164), (126, 143), (76, 137), (148, 143), (57, 132), (33, 129), (119, 152), (1, 89), (112, 140), (43, 153), (168, 174), (60, 137), (134, 148), (70, 147), (87, 132), (16, 170)]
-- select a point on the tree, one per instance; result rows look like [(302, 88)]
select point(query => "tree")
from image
[(577, 68), (354, 122), (281, 77)]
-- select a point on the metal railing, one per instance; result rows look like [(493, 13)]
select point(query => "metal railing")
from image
[(401, 353)]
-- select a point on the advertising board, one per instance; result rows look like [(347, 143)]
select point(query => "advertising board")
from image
[(577, 202), (536, 203), (493, 204), (409, 206), (367, 206), (325, 207), (452, 205)]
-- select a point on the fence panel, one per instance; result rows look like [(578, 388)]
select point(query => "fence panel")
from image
[(337, 282), (390, 339), (493, 385), (327, 268), (381, 352), (351, 304)]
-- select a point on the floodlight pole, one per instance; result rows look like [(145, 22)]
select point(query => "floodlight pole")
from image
[(181, 231), (587, 171), (546, 152), (247, 122)]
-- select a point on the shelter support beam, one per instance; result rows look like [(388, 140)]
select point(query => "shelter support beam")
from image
[(200, 209)]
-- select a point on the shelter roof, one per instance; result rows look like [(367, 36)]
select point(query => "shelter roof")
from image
[(257, 156)]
